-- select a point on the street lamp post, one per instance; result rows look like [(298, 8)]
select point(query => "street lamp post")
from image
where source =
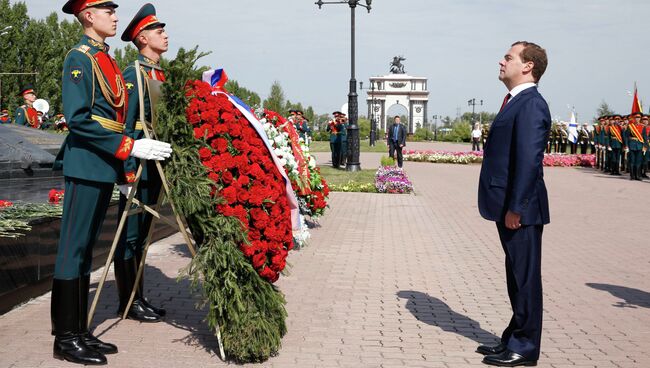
[(473, 104), (353, 105)]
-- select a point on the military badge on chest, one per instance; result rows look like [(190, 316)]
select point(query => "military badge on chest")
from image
[(76, 73)]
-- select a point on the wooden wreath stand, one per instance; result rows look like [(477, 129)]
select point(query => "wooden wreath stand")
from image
[(153, 87)]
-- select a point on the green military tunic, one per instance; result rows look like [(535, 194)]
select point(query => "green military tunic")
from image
[(137, 226), (93, 153), (331, 128), (27, 115), (635, 139), (342, 142)]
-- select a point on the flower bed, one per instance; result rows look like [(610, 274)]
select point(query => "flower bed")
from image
[(564, 160), (391, 179), (443, 157), (471, 157)]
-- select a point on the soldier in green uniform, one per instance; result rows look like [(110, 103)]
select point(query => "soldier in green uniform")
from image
[(343, 140), (27, 114), (302, 128), (604, 144), (615, 145), (563, 136), (646, 147), (634, 141), (584, 138), (4, 117), (333, 130), (485, 131), (149, 36), (93, 155), (596, 141)]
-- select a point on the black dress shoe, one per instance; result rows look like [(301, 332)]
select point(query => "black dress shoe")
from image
[(159, 311), (73, 349), (139, 312), (491, 350), (98, 345), (509, 359)]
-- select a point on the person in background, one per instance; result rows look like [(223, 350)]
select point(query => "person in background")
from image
[(4, 117), (27, 114), (476, 137), (396, 140)]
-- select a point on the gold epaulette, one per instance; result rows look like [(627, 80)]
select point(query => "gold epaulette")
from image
[(138, 125), (109, 124)]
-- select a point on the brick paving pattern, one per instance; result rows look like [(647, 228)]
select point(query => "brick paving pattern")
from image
[(409, 281)]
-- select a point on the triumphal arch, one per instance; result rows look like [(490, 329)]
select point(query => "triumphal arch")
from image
[(398, 88)]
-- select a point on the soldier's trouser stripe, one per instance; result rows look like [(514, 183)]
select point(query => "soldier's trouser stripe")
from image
[(83, 214)]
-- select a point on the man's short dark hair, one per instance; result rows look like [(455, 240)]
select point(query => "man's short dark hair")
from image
[(395, 117), (535, 53)]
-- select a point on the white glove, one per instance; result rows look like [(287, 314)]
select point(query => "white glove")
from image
[(627, 150), (609, 148), (125, 189), (150, 149)]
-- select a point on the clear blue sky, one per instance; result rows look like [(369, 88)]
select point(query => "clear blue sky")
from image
[(596, 48)]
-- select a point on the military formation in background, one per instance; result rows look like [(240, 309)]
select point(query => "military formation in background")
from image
[(622, 145), (338, 129), (619, 142), (301, 123)]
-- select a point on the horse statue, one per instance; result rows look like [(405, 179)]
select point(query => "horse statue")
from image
[(396, 66)]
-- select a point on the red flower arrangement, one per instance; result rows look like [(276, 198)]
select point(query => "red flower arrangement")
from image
[(56, 196), (5, 204), (245, 176)]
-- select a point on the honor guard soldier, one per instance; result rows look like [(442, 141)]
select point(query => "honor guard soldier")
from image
[(27, 114), (646, 147), (584, 139), (604, 142), (342, 140), (564, 136), (635, 140), (485, 132), (615, 146), (301, 125), (4, 117), (93, 154), (332, 128), (596, 140), (149, 36)]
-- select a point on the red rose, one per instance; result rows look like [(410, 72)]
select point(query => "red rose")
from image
[(269, 274), (259, 260), (205, 153)]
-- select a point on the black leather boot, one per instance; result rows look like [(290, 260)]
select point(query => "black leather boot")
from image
[(89, 338), (66, 314), (125, 272), (159, 311)]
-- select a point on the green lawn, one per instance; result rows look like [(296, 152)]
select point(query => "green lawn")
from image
[(340, 180), (324, 146)]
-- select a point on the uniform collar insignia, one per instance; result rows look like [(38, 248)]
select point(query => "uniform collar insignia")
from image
[(149, 61), (100, 46)]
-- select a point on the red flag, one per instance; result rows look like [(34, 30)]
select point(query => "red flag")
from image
[(636, 104)]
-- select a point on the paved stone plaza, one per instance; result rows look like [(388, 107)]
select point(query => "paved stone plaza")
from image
[(409, 281)]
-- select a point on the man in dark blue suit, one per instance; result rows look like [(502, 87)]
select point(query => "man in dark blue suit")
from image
[(396, 140), (512, 193)]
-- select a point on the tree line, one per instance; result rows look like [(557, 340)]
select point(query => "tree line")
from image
[(32, 51)]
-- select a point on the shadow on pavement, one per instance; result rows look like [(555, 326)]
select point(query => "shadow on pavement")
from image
[(600, 174), (632, 298), (435, 312), (174, 295)]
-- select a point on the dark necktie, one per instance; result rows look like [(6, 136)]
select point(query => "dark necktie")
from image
[(505, 101)]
